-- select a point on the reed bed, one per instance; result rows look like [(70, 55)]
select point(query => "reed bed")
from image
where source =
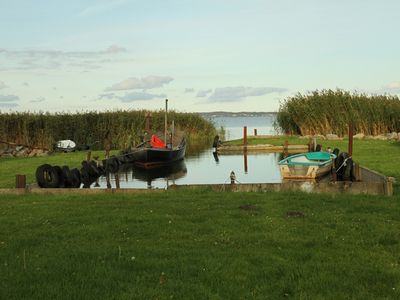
[(328, 111), (119, 128)]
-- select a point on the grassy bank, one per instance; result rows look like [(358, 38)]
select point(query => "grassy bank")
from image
[(381, 156), (199, 245)]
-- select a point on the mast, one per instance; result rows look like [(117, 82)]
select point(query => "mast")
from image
[(165, 123)]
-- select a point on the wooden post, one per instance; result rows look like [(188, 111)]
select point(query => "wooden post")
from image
[(245, 161), (350, 148), (116, 176), (147, 126), (165, 121), (285, 149), (88, 155), (310, 146), (255, 131), (357, 172), (20, 181), (245, 135)]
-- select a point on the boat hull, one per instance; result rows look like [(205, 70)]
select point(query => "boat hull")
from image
[(306, 166), (304, 172)]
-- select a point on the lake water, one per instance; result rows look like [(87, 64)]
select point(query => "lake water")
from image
[(208, 168), (234, 125)]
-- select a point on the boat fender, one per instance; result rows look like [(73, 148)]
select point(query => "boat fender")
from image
[(61, 179), (112, 164), (66, 173), (47, 176), (75, 178)]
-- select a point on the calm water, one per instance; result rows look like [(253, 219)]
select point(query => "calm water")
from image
[(234, 125), (206, 167)]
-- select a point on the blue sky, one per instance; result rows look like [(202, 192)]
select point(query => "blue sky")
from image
[(202, 55)]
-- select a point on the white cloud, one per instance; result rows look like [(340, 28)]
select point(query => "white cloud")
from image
[(25, 84), (101, 8), (2, 85), (228, 94), (38, 100), (133, 96), (393, 87), (203, 93), (8, 105), (144, 83), (189, 90), (51, 59), (8, 98)]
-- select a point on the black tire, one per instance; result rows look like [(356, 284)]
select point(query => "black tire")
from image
[(66, 172), (47, 176), (75, 178), (91, 168), (348, 170), (112, 165), (61, 179), (336, 151), (87, 180), (340, 168)]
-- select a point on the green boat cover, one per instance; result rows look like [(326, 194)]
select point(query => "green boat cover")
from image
[(318, 155)]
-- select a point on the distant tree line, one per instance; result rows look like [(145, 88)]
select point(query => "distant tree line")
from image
[(329, 111)]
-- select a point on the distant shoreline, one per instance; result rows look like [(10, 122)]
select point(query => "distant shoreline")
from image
[(236, 114)]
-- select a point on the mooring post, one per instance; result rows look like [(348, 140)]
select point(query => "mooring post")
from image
[(116, 176), (245, 161), (286, 149), (88, 155), (357, 172), (255, 131), (20, 181), (245, 135), (350, 149), (310, 147)]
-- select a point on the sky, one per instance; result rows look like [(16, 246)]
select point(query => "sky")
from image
[(203, 56)]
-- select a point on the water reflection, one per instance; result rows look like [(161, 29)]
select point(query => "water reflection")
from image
[(206, 167)]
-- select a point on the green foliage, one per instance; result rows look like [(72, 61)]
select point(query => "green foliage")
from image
[(199, 245), (327, 111), (93, 128)]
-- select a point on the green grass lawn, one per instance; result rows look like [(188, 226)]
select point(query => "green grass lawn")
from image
[(199, 245)]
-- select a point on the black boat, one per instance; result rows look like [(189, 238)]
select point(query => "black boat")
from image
[(157, 154)]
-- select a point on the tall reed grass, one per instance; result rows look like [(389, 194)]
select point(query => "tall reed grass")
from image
[(328, 111), (93, 128)]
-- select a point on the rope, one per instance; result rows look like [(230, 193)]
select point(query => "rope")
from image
[(344, 163)]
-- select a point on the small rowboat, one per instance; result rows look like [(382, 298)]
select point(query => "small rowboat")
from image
[(308, 165)]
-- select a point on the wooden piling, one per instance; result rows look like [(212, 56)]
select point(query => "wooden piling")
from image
[(255, 131), (88, 155), (285, 149), (245, 135), (245, 161), (20, 181), (116, 176), (350, 148)]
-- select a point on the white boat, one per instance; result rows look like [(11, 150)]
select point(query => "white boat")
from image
[(308, 165)]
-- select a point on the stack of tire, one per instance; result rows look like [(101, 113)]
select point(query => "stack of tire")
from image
[(48, 176)]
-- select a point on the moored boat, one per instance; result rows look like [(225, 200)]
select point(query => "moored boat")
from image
[(157, 153), (308, 165)]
